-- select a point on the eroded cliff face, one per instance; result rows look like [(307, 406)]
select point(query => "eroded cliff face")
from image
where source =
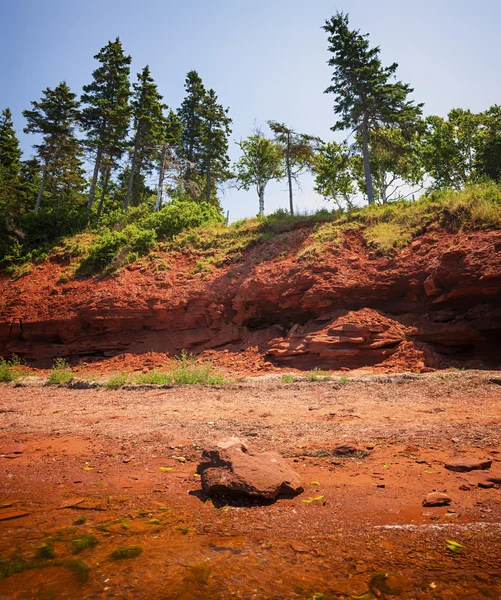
[(438, 300)]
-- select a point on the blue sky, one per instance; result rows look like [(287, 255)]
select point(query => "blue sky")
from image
[(266, 59)]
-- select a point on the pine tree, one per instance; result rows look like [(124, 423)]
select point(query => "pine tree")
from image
[(215, 130), (55, 117), (169, 162), (298, 151), (260, 163), (106, 115), (366, 97), (10, 165), (190, 115), (149, 131)]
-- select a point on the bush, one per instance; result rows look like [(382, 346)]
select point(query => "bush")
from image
[(116, 381), (61, 372), (130, 240), (176, 216), (387, 236), (6, 372)]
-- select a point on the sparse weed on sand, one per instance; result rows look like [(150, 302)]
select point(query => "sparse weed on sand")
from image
[(61, 372)]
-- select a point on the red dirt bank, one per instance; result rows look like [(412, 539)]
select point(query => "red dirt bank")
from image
[(434, 304)]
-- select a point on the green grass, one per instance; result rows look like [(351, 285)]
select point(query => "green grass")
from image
[(116, 381), (287, 378), (317, 375), (186, 371), (17, 564), (46, 550), (60, 373), (6, 372)]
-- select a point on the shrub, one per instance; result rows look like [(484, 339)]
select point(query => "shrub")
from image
[(386, 237), (176, 216), (6, 372), (116, 381), (61, 372)]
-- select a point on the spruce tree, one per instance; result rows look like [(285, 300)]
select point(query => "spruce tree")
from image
[(170, 148), (149, 131), (367, 96), (55, 117), (106, 115), (190, 115), (215, 130), (10, 165)]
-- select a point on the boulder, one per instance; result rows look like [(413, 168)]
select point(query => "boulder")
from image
[(345, 450), (231, 468), (437, 499), (463, 465)]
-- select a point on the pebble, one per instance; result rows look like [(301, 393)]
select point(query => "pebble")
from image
[(437, 499)]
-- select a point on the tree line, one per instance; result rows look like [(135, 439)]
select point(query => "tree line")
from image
[(129, 135)]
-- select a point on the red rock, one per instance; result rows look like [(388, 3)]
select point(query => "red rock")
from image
[(231, 468), (7, 515), (345, 450), (13, 449), (71, 502), (437, 499), (463, 465)]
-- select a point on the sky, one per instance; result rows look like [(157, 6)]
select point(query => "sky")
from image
[(266, 59)]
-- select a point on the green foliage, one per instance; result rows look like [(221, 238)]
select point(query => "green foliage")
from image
[(6, 372), (127, 244), (177, 216), (116, 381), (186, 371), (318, 375), (260, 163), (334, 178), (287, 378), (126, 552), (60, 373), (387, 236)]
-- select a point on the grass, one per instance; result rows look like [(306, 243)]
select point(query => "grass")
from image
[(60, 373), (116, 381), (46, 550), (287, 378), (17, 564), (186, 371), (6, 372), (317, 375)]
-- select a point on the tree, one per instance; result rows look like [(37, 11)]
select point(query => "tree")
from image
[(215, 131), (366, 97), (106, 116), (169, 163), (298, 150), (395, 163), (10, 164), (149, 131), (334, 174), (449, 148), (260, 163), (55, 117), (488, 156), (190, 115)]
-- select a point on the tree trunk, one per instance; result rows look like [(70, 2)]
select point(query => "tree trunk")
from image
[(289, 174), (92, 191), (103, 192), (158, 203), (260, 192), (365, 156), (40, 191), (132, 173)]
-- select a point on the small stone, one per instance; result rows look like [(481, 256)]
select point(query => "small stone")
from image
[(381, 485), (437, 499), (7, 515), (465, 487), (72, 502), (300, 547), (13, 449), (485, 484), (464, 465)]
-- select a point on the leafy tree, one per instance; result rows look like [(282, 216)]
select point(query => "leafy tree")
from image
[(149, 131), (55, 117), (333, 169), (260, 163), (366, 97), (106, 115), (10, 164), (215, 131), (298, 151), (449, 147), (395, 163), (488, 156)]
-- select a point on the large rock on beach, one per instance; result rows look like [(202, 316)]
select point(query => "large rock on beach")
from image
[(231, 468)]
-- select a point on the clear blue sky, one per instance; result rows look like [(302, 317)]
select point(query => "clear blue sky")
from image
[(266, 59)]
